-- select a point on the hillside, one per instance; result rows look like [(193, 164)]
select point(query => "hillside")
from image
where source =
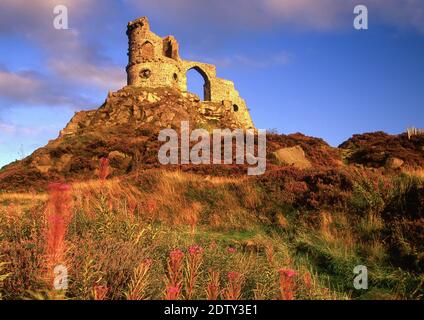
[(379, 149), (315, 224), (125, 130), (317, 210)]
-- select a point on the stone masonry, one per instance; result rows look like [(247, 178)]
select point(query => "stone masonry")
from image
[(155, 62)]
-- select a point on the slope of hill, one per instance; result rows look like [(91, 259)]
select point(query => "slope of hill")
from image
[(317, 211), (125, 130), (317, 225), (379, 149)]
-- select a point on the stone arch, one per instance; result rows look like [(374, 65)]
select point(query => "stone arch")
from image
[(207, 82), (147, 51)]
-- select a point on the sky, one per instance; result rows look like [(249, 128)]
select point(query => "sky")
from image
[(300, 65)]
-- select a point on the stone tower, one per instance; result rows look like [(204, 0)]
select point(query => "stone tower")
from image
[(154, 62)]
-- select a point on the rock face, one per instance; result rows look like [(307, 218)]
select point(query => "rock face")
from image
[(154, 62), (160, 108), (294, 156)]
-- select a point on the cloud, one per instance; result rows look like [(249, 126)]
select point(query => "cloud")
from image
[(32, 88), (35, 17), (403, 14), (12, 129), (81, 61), (73, 62), (6, 128), (316, 14), (79, 71), (288, 15), (18, 85), (274, 60)]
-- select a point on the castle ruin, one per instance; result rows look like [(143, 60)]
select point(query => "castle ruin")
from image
[(154, 62)]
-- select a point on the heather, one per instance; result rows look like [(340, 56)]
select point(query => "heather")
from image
[(158, 234)]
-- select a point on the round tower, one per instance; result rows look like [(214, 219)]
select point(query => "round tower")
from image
[(152, 61), (140, 49)]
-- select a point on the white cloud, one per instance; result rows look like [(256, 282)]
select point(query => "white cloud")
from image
[(18, 85), (72, 62), (35, 15), (274, 60), (32, 88), (6, 128), (79, 71), (12, 130), (317, 14), (320, 15)]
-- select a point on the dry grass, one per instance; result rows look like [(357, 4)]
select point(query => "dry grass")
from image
[(23, 196), (110, 256), (124, 242), (414, 172)]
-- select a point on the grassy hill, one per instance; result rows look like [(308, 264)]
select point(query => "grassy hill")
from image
[(119, 237), (96, 201)]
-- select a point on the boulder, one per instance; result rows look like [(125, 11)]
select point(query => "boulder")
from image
[(294, 156), (394, 163)]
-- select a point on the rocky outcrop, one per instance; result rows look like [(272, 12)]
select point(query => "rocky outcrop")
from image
[(160, 107)]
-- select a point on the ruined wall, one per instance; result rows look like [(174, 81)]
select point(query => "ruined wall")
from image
[(155, 62)]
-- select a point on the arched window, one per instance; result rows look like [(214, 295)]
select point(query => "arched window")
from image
[(198, 83), (147, 51)]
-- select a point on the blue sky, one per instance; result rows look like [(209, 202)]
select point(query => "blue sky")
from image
[(299, 64)]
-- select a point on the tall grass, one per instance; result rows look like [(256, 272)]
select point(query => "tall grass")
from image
[(233, 289), (118, 239), (139, 281), (193, 269), (213, 286), (174, 279)]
